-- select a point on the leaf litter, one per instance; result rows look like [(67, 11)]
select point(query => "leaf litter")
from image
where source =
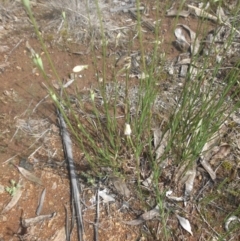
[(29, 176)]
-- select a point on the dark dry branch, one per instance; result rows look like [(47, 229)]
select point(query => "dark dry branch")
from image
[(67, 143)]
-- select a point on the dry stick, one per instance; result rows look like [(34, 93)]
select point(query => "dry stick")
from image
[(144, 22), (97, 218), (67, 224), (39, 103), (67, 143), (35, 151), (13, 50), (8, 160)]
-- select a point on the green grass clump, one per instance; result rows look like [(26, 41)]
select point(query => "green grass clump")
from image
[(200, 108)]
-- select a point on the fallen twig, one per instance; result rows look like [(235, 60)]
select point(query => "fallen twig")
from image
[(9, 159)]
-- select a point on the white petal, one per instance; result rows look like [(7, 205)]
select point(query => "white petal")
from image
[(79, 68)]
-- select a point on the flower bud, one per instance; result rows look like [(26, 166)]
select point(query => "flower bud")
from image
[(127, 130)]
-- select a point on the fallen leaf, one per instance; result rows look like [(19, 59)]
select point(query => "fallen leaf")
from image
[(195, 43), (14, 199), (150, 214), (106, 197), (181, 41), (185, 224), (28, 175), (27, 222), (40, 203), (144, 217)]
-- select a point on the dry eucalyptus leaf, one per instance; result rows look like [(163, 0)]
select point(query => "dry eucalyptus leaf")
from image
[(28, 175), (41, 201), (144, 217), (106, 197), (150, 214), (185, 224), (14, 199), (121, 187), (195, 43), (181, 42), (27, 222)]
